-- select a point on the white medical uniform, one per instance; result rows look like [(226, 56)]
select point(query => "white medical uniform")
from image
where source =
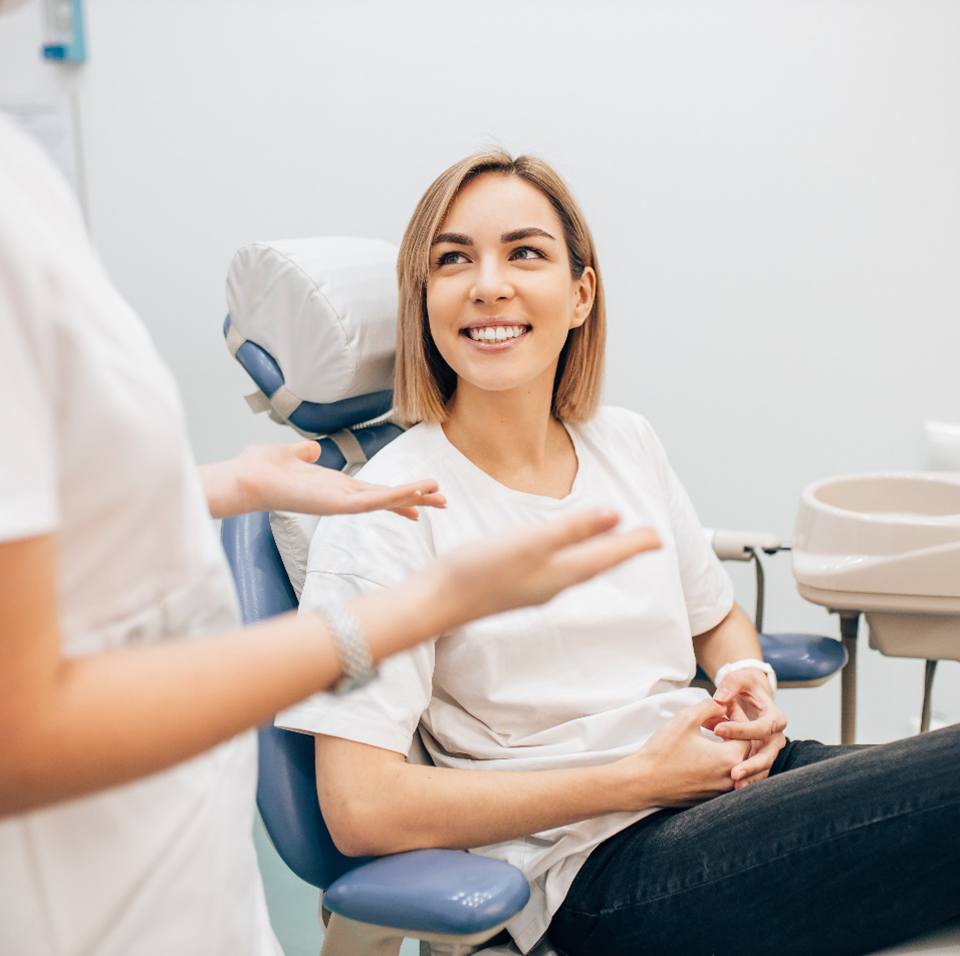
[(583, 680), (93, 448)]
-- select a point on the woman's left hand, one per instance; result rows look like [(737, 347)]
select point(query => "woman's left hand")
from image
[(286, 478), (756, 718)]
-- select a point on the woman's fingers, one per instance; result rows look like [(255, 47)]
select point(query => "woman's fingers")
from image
[(749, 781), (758, 729), (766, 725), (698, 715), (759, 763)]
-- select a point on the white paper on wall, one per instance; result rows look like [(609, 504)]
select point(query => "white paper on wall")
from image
[(52, 125)]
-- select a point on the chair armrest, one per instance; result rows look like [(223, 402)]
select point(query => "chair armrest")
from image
[(430, 891), (739, 545)]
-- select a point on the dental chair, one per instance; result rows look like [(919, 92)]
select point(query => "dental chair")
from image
[(369, 904), (312, 323)]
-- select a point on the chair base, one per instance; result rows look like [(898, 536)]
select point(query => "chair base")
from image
[(347, 937)]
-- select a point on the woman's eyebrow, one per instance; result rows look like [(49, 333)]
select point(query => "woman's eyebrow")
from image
[(524, 233), (461, 240)]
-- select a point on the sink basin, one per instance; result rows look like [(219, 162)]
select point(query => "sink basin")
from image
[(887, 545)]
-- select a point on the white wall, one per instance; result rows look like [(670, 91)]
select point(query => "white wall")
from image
[(772, 185)]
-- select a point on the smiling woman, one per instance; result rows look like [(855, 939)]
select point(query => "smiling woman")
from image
[(567, 738)]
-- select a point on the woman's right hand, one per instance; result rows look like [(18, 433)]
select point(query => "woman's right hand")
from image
[(529, 567), (679, 766)]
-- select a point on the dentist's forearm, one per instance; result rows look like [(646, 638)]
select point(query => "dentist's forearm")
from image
[(79, 724), (221, 487)]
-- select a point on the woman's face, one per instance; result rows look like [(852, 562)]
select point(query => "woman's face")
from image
[(500, 296)]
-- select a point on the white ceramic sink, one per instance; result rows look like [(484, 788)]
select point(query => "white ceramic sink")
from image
[(887, 545)]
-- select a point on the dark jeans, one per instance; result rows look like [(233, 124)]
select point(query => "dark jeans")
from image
[(840, 850)]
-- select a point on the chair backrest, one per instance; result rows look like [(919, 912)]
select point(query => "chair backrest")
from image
[(312, 321), (286, 782)]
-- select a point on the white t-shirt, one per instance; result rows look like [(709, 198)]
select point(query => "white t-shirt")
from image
[(93, 448), (582, 680)]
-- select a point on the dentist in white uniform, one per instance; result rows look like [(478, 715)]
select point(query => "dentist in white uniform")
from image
[(129, 688)]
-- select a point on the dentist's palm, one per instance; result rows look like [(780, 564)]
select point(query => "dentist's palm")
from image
[(531, 566)]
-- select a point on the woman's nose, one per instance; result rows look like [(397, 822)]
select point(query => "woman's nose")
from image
[(490, 284)]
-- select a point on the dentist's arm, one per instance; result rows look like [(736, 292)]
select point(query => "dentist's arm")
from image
[(77, 724)]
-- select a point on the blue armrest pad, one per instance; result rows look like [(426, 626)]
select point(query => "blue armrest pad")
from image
[(802, 657), (799, 657), (432, 891)]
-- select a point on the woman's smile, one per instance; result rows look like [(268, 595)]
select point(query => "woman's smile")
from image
[(495, 335)]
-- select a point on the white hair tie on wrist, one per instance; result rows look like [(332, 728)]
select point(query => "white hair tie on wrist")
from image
[(747, 662)]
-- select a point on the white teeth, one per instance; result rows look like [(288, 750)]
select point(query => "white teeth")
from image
[(496, 333)]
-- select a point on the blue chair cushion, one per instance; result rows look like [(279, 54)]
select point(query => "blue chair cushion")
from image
[(799, 658), (263, 588), (803, 657), (287, 801), (430, 891)]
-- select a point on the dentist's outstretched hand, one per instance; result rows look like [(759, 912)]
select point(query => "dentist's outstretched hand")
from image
[(530, 566), (494, 575), (286, 478)]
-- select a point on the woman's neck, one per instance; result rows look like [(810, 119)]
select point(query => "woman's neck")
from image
[(513, 437)]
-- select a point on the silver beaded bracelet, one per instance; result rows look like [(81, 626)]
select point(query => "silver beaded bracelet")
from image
[(357, 664)]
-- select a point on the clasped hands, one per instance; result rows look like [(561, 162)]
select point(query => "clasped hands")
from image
[(751, 716)]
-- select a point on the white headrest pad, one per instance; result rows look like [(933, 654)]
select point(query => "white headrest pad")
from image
[(324, 308)]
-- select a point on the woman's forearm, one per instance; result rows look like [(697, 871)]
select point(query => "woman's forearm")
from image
[(734, 638), (461, 809)]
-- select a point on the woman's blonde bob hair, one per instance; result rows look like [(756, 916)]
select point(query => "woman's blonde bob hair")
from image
[(424, 382)]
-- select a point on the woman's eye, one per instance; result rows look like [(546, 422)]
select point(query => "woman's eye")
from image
[(537, 252), (444, 259)]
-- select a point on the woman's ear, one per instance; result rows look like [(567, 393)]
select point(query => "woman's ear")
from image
[(584, 292)]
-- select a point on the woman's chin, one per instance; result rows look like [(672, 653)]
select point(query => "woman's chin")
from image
[(488, 380)]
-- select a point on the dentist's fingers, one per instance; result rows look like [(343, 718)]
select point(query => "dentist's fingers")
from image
[(581, 547), (606, 551), (362, 496), (308, 451), (571, 530)]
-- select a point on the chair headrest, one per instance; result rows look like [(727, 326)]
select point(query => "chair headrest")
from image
[(313, 322)]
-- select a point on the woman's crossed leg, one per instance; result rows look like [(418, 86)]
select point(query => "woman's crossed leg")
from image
[(840, 850)]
